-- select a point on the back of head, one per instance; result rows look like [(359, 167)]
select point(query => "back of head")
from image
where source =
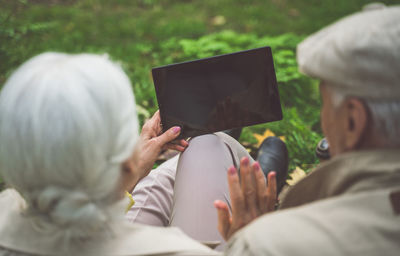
[(67, 122)]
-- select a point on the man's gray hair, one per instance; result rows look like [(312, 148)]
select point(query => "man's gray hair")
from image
[(67, 123), (385, 116)]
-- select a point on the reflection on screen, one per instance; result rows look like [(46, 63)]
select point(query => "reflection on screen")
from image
[(218, 93)]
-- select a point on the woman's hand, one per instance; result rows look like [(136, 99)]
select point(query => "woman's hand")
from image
[(250, 198), (148, 148)]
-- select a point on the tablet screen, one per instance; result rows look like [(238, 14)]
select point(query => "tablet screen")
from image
[(218, 93)]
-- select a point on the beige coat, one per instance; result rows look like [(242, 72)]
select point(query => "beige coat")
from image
[(348, 206), (19, 237)]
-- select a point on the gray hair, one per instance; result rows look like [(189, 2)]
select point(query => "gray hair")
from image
[(67, 123), (385, 116)]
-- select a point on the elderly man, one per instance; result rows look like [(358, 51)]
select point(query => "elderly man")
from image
[(349, 205)]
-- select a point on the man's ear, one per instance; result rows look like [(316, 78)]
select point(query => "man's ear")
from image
[(356, 123)]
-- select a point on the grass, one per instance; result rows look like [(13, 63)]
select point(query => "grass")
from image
[(145, 33), (118, 26)]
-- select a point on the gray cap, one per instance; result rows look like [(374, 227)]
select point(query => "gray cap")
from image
[(359, 54)]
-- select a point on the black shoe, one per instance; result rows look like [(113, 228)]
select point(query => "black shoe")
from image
[(234, 133), (273, 156)]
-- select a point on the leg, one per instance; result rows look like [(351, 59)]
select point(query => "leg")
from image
[(200, 180), (154, 193), (153, 196)]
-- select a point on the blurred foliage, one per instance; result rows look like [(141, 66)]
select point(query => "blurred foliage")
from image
[(142, 34)]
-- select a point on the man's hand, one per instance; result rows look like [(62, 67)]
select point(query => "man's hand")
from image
[(148, 148), (250, 198)]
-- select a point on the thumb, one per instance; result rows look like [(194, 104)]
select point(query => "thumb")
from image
[(169, 135)]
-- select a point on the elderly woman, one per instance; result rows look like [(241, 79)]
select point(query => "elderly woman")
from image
[(68, 129)]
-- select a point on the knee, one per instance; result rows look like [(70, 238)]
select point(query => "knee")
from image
[(207, 142), (206, 146)]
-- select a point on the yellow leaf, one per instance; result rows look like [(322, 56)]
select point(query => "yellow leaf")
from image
[(261, 137), (131, 202), (295, 176), (218, 20)]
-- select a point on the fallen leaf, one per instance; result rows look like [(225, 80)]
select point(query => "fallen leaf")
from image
[(261, 137), (218, 20), (296, 176)]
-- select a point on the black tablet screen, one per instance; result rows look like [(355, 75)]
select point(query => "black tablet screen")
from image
[(218, 93)]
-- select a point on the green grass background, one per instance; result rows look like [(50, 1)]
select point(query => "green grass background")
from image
[(145, 33)]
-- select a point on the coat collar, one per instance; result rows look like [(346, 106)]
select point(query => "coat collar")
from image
[(348, 173)]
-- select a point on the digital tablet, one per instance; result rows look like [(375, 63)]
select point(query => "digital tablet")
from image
[(218, 93)]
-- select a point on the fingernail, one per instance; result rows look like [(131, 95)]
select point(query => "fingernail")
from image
[(176, 129), (217, 204), (232, 171), (272, 174), (245, 161), (257, 166)]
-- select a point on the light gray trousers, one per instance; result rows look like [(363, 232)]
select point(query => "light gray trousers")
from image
[(181, 191)]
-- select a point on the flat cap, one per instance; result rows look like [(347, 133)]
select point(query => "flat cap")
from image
[(359, 54)]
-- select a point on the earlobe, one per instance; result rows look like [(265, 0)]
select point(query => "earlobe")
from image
[(356, 124)]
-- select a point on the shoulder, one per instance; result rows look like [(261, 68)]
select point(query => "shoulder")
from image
[(123, 239), (151, 240), (288, 232), (345, 225)]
